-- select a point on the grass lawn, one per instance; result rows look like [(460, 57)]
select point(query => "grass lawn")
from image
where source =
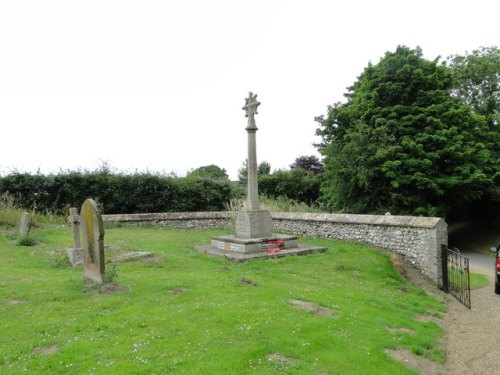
[(188, 313)]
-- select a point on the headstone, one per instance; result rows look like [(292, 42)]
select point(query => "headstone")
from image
[(75, 254), (25, 224), (92, 241)]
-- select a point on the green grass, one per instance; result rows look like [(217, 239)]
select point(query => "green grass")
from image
[(188, 313), (478, 280)]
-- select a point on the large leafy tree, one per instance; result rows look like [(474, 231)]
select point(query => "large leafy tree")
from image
[(476, 80), (402, 142)]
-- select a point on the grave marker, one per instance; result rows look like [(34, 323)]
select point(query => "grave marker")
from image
[(25, 224), (92, 241), (75, 254)]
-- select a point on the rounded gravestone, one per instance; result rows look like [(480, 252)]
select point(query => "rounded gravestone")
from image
[(92, 229)]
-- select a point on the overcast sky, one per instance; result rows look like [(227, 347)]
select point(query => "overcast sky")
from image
[(159, 85)]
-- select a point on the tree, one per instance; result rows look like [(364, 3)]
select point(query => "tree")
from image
[(209, 171), (308, 164), (263, 168), (402, 143), (476, 79), (294, 184)]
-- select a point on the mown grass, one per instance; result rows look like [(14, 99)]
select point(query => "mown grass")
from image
[(188, 313), (478, 280)]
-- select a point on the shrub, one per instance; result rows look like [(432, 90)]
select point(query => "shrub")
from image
[(25, 241), (118, 193)]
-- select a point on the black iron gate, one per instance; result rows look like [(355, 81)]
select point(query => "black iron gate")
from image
[(456, 278)]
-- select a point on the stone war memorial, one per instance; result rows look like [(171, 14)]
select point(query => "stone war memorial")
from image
[(254, 236), (92, 241)]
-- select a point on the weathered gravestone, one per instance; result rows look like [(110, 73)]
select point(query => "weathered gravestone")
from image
[(75, 254), (25, 224), (92, 241)]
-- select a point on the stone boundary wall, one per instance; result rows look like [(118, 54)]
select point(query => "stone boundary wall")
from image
[(179, 220), (418, 239)]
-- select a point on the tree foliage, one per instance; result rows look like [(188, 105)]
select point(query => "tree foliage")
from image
[(295, 184), (476, 80), (263, 168), (402, 143), (212, 171), (308, 163)]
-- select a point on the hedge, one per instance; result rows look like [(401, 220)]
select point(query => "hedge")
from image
[(117, 193)]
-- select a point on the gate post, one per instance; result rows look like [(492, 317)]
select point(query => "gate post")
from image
[(444, 267)]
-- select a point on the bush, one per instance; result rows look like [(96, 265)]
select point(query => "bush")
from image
[(25, 241), (295, 184), (117, 193)]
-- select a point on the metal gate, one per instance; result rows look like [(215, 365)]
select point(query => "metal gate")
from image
[(456, 278)]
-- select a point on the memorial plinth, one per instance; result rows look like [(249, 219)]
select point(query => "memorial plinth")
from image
[(254, 224), (254, 236)]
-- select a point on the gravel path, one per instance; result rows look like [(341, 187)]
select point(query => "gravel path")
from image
[(472, 340)]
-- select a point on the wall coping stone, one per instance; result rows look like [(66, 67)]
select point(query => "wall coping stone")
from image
[(389, 220), (168, 216)]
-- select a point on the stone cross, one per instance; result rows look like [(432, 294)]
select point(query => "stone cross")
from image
[(74, 220), (25, 224), (75, 255), (92, 241), (250, 109)]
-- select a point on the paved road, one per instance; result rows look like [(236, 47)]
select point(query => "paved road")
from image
[(483, 263)]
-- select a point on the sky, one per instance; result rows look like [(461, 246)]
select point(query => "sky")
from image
[(159, 86)]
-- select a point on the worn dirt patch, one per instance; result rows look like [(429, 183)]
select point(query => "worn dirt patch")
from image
[(107, 288), (428, 318), (311, 306), (244, 280), (420, 364), (414, 276), (280, 358), (14, 302), (46, 350), (177, 291), (112, 288), (405, 331)]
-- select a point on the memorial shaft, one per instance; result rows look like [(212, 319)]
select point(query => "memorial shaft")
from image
[(253, 189), (252, 178)]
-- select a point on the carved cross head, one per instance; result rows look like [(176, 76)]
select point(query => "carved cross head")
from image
[(251, 105)]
